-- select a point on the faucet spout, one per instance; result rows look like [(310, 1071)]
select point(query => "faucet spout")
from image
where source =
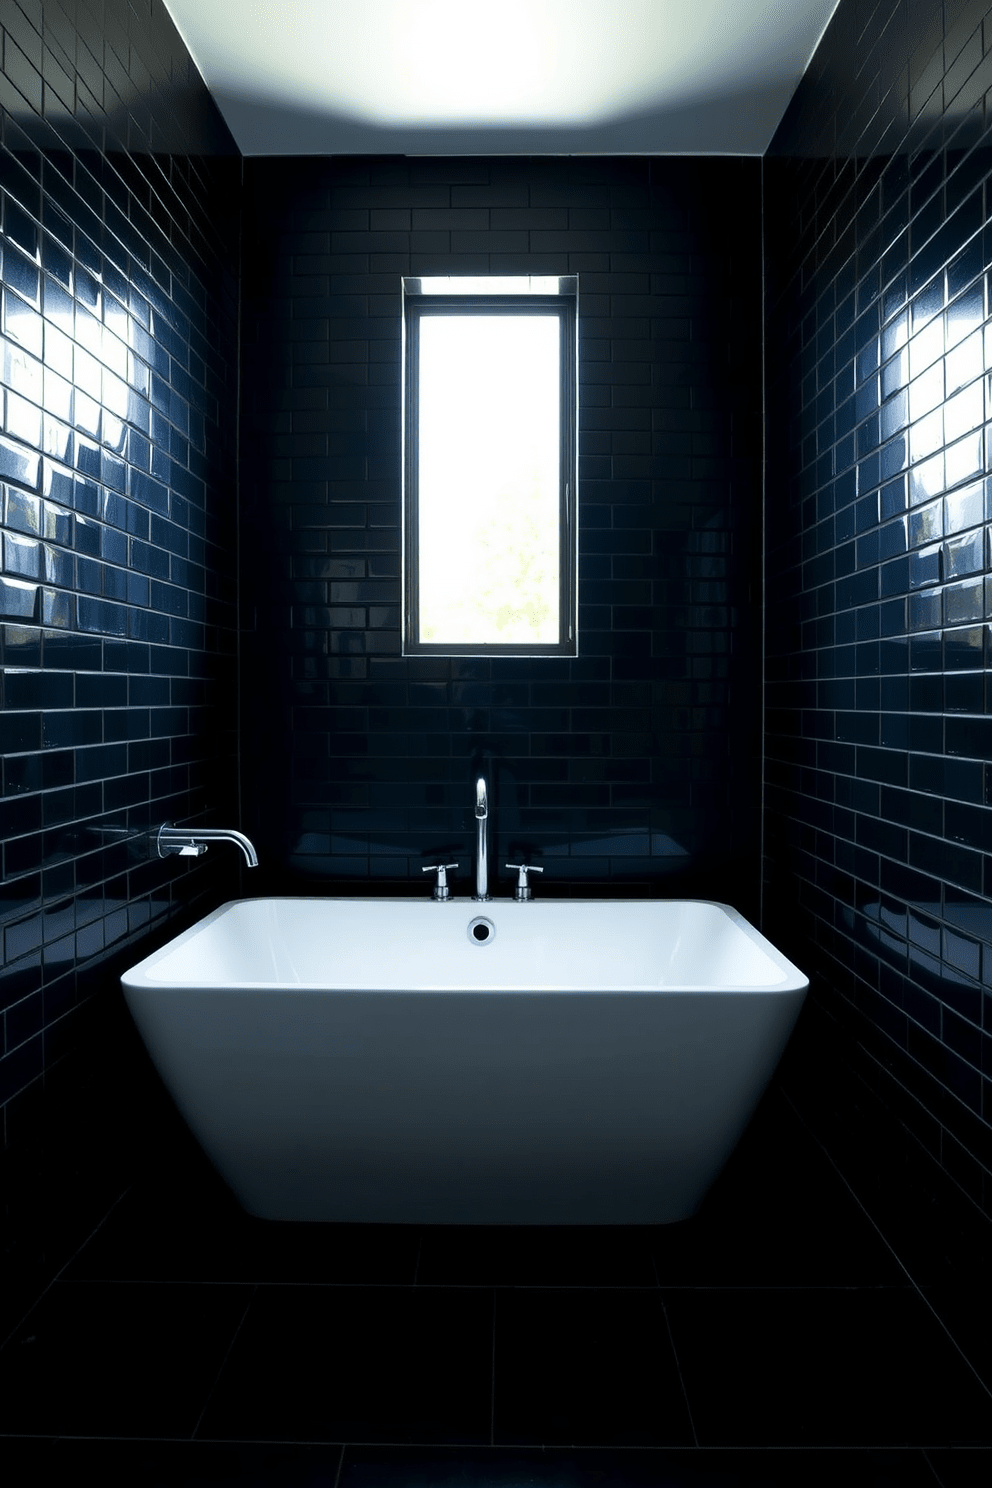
[(481, 839), (194, 841)]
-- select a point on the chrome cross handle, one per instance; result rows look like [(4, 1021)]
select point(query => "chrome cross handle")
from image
[(523, 889), (441, 890)]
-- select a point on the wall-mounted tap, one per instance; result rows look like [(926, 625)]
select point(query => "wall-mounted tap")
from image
[(192, 842), (481, 839)]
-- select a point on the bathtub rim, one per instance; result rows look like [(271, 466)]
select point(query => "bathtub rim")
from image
[(138, 978)]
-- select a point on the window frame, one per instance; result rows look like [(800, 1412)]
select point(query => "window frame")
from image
[(469, 296)]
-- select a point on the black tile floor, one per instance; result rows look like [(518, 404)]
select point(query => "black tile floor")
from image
[(773, 1339)]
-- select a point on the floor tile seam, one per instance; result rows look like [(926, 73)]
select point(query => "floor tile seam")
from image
[(664, 1451), (561, 1286), (492, 1377), (485, 1286), (337, 1475), (841, 1286), (159, 1281), (535, 1286), (937, 1478), (58, 1275), (861, 1448), (898, 1259), (220, 1371), (661, 1449), (393, 1286), (678, 1366), (256, 1281), (650, 1291), (192, 1445)]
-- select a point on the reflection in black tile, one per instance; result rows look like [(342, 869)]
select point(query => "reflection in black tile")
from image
[(824, 1368), (76, 210), (358, 1364), (891, 252), (591, 1367)]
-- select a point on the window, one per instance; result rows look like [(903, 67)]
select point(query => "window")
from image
[(489, 466)]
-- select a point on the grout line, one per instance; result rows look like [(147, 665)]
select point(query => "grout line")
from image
[(457, 1286), (492, 1382), (895, 1255), (223, 1362), (678, 1366), (337, 1475), (537, 1286), (882, 1076), (930, 1465), (57, 1277), (888, 1075), (735, 1450)]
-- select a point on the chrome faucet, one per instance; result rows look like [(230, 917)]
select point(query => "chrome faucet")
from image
[(523, 891), (481, 839), (442, 889), (192, 842)]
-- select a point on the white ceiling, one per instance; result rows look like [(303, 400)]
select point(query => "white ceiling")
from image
[(517, 77)]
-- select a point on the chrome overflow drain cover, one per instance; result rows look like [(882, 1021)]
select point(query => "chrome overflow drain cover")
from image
[(481, 931)]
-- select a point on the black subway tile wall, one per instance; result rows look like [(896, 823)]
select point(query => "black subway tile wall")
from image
[(878, 783), (637, 762), (119, 236)]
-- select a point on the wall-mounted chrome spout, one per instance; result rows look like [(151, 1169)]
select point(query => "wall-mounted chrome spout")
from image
[(481, 839), (192, 842)]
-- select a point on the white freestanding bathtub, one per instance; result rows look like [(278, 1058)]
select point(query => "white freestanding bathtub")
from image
[(386, 1060)]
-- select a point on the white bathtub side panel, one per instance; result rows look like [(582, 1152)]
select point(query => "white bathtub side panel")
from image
[(436, 1108)]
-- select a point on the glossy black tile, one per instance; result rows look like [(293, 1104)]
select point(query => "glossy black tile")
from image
[(181, 1224), (632, 1468), (163, 1462), (78, 245), (628, 638), (358, 1363), (920, 349), (779, 1216), (265, 1465), (901, 1381), (593, 1367), (535, 1256), (954, 1469), (106, 1360)]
